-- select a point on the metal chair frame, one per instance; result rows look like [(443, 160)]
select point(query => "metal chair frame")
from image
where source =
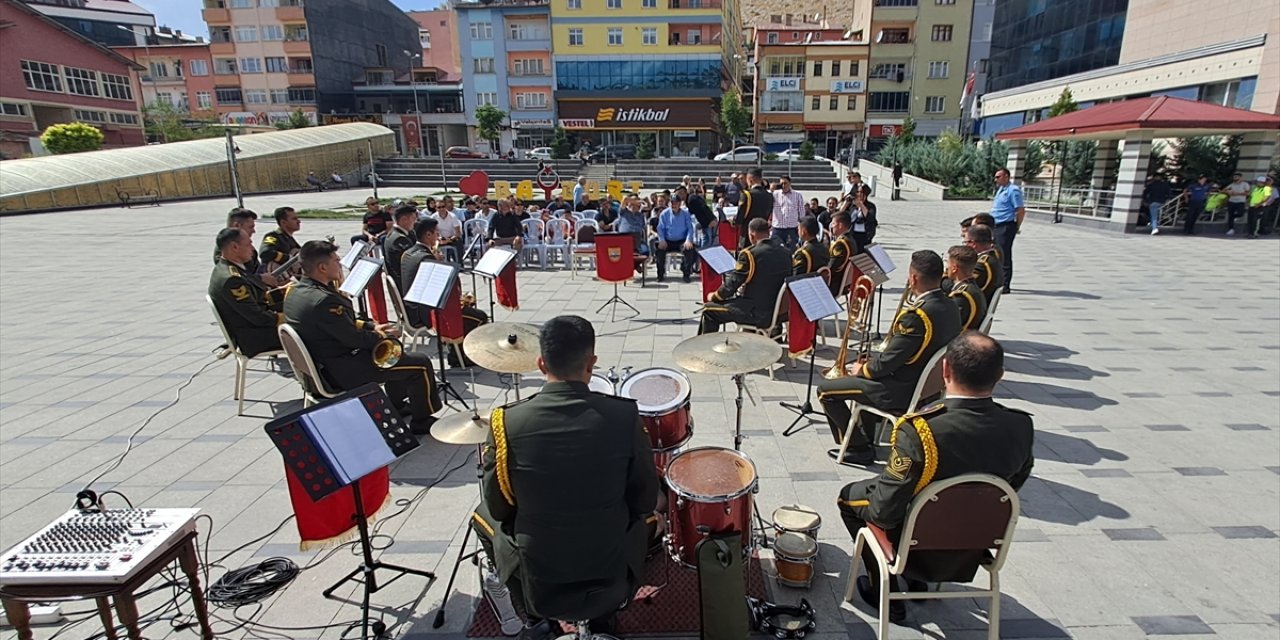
[(304, 368), (934, 364), (242, 361)]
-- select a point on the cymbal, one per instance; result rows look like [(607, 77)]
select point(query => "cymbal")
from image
[(461, 428), (504, 347), (726, 353)]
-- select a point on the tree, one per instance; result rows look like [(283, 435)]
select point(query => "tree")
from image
[(908, 133), (1062, 149), (164, 123), (561, 149), (645, 147), (1065, 104), (489, 124), (297, 120), (806, 150), (1033, 163), (1212, 156), (1077, 166), (72, 137), (734, 118)]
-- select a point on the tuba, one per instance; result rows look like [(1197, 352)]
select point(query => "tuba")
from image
[(387, 352), (859, 316)]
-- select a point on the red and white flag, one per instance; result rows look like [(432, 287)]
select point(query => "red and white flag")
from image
[(969, 86)]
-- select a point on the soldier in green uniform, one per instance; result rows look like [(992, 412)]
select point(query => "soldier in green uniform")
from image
[(989, 274), (812, 254), (761, 271), (240, 298), (966, 433), (342, 343), (397, 241), (278, 245), (246, 220), (888, 379), (756, 203), (842, 250), (568, 484), (964, 291), (426, 232)]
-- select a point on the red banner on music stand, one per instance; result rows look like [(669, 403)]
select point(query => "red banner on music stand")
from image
[(448, 320), (800, 330), (377, 299), (615, 256), (711, 280), (328, 521), (728, 237), (505, 287)]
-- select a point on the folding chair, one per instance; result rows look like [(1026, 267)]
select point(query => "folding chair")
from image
[(304, 368), (242, 361), (985, 327), (534, 241), (775, 321), (970, 512), (929, 384), (409, 333)]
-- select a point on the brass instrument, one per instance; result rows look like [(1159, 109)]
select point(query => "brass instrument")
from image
[(387, 352), (859, 316)]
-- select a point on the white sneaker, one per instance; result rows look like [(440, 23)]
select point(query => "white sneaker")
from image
[(1231, 232), (1155, 232)]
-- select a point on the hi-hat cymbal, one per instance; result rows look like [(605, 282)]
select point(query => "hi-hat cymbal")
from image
[(504, 347), (726, 353), (461, 428)]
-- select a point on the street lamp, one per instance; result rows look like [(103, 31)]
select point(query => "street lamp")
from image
[(232, 150), (413, 82)]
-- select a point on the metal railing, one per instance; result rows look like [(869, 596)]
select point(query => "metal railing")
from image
[(1089, 203)]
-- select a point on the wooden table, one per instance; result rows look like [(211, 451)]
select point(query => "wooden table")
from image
[(17, 597)]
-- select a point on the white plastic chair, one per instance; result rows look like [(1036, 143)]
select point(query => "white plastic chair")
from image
[(472, 229), (304, 368), (558, 236), (409, 333), (242, 361), (985, 327), (970, 512), (534, 234), (588, 214), (584, 246), (930, 380)]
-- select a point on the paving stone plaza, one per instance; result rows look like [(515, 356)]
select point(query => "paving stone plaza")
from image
[(1152, 365)]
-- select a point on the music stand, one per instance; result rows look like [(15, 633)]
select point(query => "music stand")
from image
[(431, 287), (358, 278), (332, 445), (615, 263), (489, 266), (816, 302), (884, 266)]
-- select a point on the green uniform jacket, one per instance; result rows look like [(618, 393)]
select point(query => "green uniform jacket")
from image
[(841, 253), (990, 272), (570, 478), (277, 247), (760, 273), (955, 437), (327, 323), (920, 329), (409, 263), (971, 303), (809, 258), (241, 301), (755, 202), (396, 242), (254, 265)]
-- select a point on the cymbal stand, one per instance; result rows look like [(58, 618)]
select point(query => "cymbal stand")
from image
[(737, 423), (473, 556), (446, 388)]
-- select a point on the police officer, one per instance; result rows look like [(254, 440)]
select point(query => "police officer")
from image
[(397, 241), (756, 204), (989, 274), (749, 292), (240, 298), (812, 254), (842, 249), (888, 379), (278, 245), (341, 344), (568, 484), (967, 433), (968, 296)]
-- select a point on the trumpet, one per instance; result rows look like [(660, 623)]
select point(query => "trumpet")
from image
[(859, 316), (387, 352)]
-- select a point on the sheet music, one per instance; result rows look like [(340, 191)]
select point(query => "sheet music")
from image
[(353, 254), (814, 297), (346, 436), (730, 213), (718, 259), (359, 276), (881, 258), (494, 261), (432, 283)]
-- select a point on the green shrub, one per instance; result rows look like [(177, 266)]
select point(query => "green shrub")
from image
[(72, 137)]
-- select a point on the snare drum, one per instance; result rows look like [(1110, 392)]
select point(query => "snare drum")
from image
[(797, 518), (662, 396), (793, 556), (710, 492), (601, 384)]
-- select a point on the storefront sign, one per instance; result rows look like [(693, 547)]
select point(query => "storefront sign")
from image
[(686, 134), (781, 127), (262, 118), (847, 86), (815, 127), (375, 118), (783, 84), (884, 130), (636, 114), (783, 137), (577, 123), (540, 123)]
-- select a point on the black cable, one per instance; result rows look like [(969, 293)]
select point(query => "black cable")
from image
[(252, 584), (113, 492)]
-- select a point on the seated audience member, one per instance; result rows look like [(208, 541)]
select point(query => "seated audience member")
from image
[(505, 227), (675, 233)]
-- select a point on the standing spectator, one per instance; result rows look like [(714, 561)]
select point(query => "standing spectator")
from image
[(733, 190), (852, 181), (788, 208), (1197, 196), (1008, 210), (1259, 199), (717, 190), (1153, 197), (1268, 222), (579, 191), (897, 181), (1237, 200), (701, 212), (862, 215), (675, 229)]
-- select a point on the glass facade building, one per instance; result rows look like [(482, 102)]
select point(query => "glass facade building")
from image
[(1037, 40), (630, 75)]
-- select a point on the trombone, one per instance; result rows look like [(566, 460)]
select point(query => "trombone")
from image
[(859, 316)]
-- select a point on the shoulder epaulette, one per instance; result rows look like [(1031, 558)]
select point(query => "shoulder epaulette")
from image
[(931, 410)]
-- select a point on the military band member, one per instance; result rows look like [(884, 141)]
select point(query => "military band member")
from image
[(812, 254), (278, 245), (843, 247), (397, 241), (241, 300), (426, 231), (888, 379), (964, 291), (569, 483), (342, 343), (989, 274), (749, 292), (756, 203), (966, 433), (247, 221)]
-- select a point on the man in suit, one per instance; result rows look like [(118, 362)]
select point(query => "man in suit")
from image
[(397, 241), (240, 298), (341, 343), (843, 246), (966, 433), (426, 231), (989, 273), (756, 204), (749, 292), (278, 245), (964, 291), (568, 484), (812, 254), (889, 378)]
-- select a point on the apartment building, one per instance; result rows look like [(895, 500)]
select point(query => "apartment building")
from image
[(111, 23), (437, 34), (180, 75), (272, 57)]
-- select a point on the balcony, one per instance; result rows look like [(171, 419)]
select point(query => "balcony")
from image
[(291, 13), (694, 4), (502, 3), (297, 46), (217, 15), (222, 48), (301, 77)]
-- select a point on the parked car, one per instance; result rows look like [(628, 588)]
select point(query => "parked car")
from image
[(540, 153), (464, 152), (741, 154), (793, 155), (613, 152)]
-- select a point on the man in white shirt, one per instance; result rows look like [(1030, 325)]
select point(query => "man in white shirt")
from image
[(852, 182), (788, 208), (449, 228), (1237, 201)]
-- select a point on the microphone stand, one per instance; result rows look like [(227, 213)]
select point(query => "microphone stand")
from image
[(806, 409)]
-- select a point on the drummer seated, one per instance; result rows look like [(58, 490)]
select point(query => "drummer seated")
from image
[(569, 481)]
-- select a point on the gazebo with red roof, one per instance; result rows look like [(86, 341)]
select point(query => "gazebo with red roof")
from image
[(1138, 123)]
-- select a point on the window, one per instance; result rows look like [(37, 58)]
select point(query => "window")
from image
[(381, 51), (81, 82), (124, 118), (939, 69), (649, 35), (272, 32), (529, 67), (164, 97), (615, 36), (303, 95), (613, 4), (246, 34), (228, 95), (225, 67), (889, 101), (575, 37), (297, 33), (649, 4), (486, 98), (890, 71), (204, 100), (817, 68), (250, 65), (277, 65), (117, 87), (786, 66), (157, 69), (852, 105), (482, 65), (573, 4), (481, 30), (853, 68), (255, 96), (13, 109), (835, 68), (531, 101), (198, 67), (424, 38), (279, 96), (941, 2), (833, 102), (240, 4), (935, 104), (90, 116), (772, 38), (942, 33), (816, 103), (895, 3), (41, 77), (302, 65), (894, 36)]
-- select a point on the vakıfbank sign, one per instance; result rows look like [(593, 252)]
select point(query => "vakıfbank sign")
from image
[(637, 114)]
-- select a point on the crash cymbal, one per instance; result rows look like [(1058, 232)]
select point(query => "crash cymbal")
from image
[(461, 428), (504, 347), (726, 353)]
